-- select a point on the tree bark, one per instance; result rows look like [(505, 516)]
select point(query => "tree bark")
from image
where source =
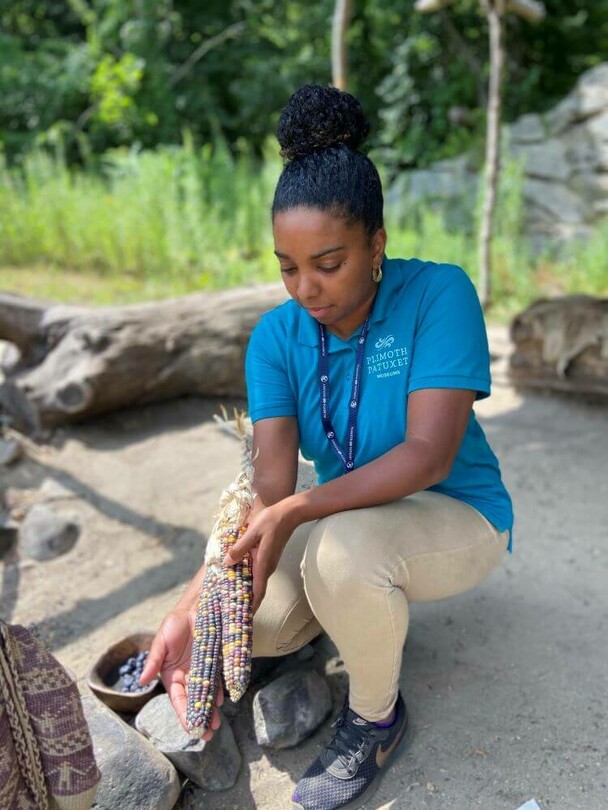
[(561, 345), (77, 362), (494, 10), (339, 52)]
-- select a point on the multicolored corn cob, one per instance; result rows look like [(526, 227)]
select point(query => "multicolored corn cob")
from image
[(206, 656), (222, 638), (237, 619)]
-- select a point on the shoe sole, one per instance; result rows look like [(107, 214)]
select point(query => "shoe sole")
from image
[(368, 793)]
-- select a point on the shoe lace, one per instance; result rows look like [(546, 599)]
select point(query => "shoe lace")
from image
[(350, 743)]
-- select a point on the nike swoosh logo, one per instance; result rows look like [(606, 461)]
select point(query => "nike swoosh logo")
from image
[(383, 754)]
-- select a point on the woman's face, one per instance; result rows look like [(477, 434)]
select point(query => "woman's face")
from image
[(327, 265)]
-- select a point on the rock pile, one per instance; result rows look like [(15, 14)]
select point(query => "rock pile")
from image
[(161, 767), (565, 155)]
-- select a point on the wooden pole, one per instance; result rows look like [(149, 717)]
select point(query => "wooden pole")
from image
[(495, 12), (339, 53)]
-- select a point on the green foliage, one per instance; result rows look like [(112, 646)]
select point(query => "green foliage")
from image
[(110, 73), (439, 63), (115, 72), (137, 132), (113, 87)]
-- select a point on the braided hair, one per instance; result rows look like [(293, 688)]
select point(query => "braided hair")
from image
[(320, 131)]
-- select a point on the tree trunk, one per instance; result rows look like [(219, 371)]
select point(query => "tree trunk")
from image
[(494, 10), (562, 345), (339, 53), (76, 362)]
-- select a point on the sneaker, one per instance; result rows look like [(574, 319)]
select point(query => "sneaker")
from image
[(346, 774)]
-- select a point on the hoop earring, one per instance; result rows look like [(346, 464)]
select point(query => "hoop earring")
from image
[(377, 274)]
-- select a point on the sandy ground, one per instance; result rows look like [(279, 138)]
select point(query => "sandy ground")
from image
[(506, 685)]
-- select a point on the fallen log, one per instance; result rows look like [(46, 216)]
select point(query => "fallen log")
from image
[(561, 344), (75, 362)]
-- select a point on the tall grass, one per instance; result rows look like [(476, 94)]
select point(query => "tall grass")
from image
[(196, 217), (177, 219)]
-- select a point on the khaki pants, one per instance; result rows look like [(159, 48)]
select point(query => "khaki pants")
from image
[(353, 575)]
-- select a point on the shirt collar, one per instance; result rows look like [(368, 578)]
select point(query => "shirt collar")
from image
[(384, 304)]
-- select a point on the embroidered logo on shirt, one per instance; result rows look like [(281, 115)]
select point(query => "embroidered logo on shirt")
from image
[(384, 342), (387, 363)]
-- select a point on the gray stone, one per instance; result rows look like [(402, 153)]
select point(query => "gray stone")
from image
[(398, 192), (213, 765), (456, 165), (452, 181), (602, 156), (53, 490), (289, 709), (547, 160), (597, 126), (230, 709), (133, 773), (444, 184), (581, 150), (10, 451), (593, 186), (556, 200), (592, 90), (10, 357), (8, 534), (527, 129), (563, 115), (600, 208), (45, 535), (589, 97), (305, 653), (565, 154)]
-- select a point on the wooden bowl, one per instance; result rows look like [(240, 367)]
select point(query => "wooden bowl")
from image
[(104, 679)]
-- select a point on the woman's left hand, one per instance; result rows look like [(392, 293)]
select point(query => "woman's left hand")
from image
[(266, 537)]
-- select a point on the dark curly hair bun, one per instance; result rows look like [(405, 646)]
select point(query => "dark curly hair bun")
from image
[(318, 117)]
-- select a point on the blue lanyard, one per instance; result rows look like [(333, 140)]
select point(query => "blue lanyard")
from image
[(347, 458)]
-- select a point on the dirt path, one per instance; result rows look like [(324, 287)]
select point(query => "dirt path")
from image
[(506, 684)]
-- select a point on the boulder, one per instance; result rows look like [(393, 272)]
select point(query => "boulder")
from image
[(45, 535), (290, 708), (556, 200), (545, 160), (133, 773), (565, 157), (589, 97), (10, 451), (214, 765), (527, 129), (8, 534)]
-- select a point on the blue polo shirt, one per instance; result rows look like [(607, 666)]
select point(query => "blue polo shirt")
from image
[(426, 331)]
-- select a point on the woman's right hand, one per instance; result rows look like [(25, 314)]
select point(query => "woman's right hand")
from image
[(169, 657)]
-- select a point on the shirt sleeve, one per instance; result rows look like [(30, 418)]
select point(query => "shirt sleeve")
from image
[(451, 344), (269, 391)]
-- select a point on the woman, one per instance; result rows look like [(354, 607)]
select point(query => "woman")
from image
[(371, 370)]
